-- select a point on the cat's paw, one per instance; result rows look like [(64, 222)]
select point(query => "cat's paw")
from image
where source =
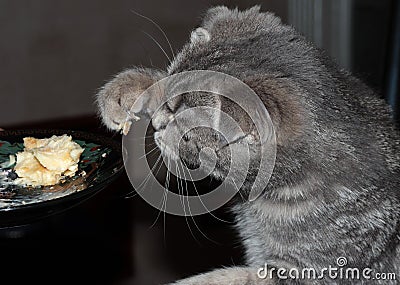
[(116, 98), (228, 276)]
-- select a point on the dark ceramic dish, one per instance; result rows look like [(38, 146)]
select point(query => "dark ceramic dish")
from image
[(101, 161)]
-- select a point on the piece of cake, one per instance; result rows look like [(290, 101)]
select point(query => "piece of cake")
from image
[(46, 161)]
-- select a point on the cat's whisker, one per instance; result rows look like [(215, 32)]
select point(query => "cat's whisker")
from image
[(130, 194), (144, 182), (183, 203), (164, 220), (180, 188), (149, 152), (190, 212), (157, 43), (139, 142), (153, 146), (141, 138), (197, 192), (238, 190), (162, 209), (166, 198), (160, 164), (159, 28), (158, 161), (147, 54), (163, 202)]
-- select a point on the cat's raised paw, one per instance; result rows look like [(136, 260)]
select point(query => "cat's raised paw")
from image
[(117, 97)]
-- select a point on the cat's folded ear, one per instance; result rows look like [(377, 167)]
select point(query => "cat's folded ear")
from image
[(282, 99), (122, 98), (200, 35)]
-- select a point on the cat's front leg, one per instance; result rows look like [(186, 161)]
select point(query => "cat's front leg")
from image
[(116, 97), (233, 276)]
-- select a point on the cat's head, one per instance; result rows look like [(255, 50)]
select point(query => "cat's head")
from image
[(178, 138), (217, 45)]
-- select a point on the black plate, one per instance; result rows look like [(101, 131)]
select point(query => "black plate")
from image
[(101, 160)]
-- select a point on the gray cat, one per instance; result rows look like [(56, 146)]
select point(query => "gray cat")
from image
[(334, 189)]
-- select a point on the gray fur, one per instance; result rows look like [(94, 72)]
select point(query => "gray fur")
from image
[(334, 190)]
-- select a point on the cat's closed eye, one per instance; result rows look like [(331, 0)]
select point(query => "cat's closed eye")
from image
[(186, 137), (173, 104)]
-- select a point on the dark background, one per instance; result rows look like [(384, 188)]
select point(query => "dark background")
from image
[(54, 55)]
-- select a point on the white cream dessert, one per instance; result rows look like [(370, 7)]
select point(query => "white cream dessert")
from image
[(46, 161)]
